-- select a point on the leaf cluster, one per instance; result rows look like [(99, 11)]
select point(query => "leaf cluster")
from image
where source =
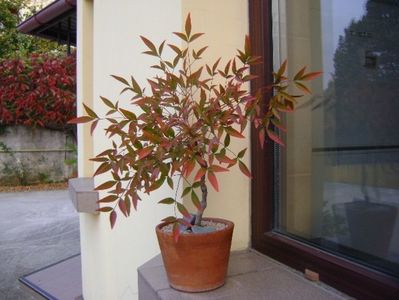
[(38, 91), (187, 120)]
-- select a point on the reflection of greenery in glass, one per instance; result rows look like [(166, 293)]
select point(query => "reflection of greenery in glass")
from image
[(366, 76)]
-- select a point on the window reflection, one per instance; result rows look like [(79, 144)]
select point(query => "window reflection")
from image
[(340, 171)]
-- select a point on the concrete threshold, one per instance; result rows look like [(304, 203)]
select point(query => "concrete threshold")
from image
[(251, 275)]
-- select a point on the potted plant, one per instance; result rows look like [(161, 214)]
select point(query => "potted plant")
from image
[(188, 117)]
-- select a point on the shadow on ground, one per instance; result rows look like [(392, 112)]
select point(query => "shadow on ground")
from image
[(36, 229)]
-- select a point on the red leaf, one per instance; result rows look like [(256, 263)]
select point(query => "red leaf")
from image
[(234, 132), (135, 199), (183, 210), (105, 209), (112, 218), (224, 159), (201, 172), (169, 220), (149, 44), (122, 207), (311, 76), (244, 169), (216, 168), (187, 26), (188, 168), (176, 232), (262, 137), (274, 138), (104, 167), (107, 199), (105, 185), (93, 126), (144, 152), (212, 179), (79, 120)]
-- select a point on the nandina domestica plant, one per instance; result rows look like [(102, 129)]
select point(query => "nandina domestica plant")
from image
[(187, 120)]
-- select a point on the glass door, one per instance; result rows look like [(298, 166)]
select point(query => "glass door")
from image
[(337, 179)]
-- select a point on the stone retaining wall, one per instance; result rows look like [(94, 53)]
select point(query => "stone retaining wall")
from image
[(35, 155)]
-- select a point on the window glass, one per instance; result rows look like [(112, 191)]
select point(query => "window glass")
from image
[(338, 176)]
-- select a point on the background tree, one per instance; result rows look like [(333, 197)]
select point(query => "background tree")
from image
[(15, 44), (366, 75)]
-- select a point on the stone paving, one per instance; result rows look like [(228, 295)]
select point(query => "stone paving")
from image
[(36, 229)]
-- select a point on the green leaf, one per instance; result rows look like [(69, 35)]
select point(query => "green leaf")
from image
[(157, 184), (170, 182), (181, 36), (107, 102), (195, 200), (231, 131), (281, 70), (175, 49), (186, 191), (302, 87), (90, 112), (135, 85), (149, 44), (160, 48), (227, 140), (193, 38), (128, 114), (300, 73), (244, 169), (168, 200), (183, 210), (242, 153), (121, 79)]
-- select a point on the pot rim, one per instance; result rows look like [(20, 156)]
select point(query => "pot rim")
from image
[(230, 226)]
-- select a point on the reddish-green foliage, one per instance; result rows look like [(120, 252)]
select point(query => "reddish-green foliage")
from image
[(183, 126), (38, 91)]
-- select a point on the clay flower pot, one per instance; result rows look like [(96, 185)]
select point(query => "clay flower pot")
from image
[(198, 261)]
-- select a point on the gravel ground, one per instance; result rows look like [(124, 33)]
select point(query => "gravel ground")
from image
[(36, 187), (36, 229)]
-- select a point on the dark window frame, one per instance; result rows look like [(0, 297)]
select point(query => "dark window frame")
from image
[(349, 277)]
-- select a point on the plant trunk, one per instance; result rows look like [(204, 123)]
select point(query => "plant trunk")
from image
[(204, 191)]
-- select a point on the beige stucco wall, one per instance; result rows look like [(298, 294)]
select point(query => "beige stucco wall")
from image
[(225, 24), (109, 43), (110, 258)]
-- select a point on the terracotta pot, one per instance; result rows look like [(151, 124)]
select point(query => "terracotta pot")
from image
[(197, 262)]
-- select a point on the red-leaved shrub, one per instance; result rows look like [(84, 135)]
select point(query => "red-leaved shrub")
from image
[(38, 91)]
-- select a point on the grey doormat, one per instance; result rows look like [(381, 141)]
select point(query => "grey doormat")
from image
[(59, 281)]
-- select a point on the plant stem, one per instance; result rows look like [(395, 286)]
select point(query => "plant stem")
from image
[(204, 191)]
